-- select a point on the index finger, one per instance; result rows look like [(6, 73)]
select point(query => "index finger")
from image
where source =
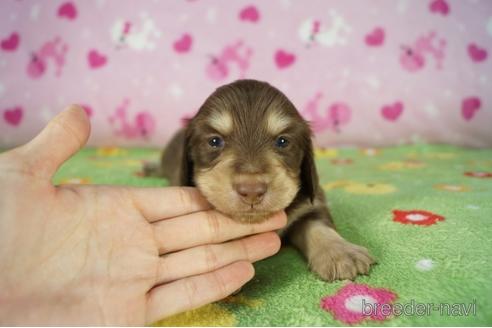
[(161, 203)]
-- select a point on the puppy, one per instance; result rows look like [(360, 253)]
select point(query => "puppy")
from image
[(250, 154)]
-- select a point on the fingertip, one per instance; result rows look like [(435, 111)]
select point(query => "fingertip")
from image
[(280, 218), (274, 242), (77, 115), (246, 269)]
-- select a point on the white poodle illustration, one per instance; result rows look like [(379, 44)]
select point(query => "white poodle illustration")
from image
[(336, 32), (137, 36)]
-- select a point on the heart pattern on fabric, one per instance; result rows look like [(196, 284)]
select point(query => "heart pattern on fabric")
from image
[(469, 107), (392, 112), (476, 53), (284, 59), (249, 14), (68, 11), (375, 37), (13, 116), (183, 44), (11, 43), (95, 59)]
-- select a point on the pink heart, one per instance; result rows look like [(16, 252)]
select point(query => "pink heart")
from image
[(67, 10), (469, 107), (249, 13), (476, 53), (11, 43), (439, 7), (392, 112), (284, 59), (375, 38), (13, 116), (183, 44), (96, 59)]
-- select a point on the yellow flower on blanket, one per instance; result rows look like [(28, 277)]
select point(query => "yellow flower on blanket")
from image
[(361, 188), (325, 152), (402, 165), (243, 300), (205, 316), (440, 155), (370, 188), (482, 162), (120, 162), (111, 151), (451, 187), (212, 314)]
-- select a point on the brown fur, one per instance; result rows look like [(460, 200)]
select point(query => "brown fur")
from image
[(260, 114)]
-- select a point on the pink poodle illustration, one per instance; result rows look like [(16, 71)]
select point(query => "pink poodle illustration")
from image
[(413, 58), (336, 115), (142, 126), (219, 66), (315, 31), (55, 50)]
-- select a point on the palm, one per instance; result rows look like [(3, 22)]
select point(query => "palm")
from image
[(106, 248)]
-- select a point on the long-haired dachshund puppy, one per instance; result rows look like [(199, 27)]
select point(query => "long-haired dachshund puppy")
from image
[(250, 154)]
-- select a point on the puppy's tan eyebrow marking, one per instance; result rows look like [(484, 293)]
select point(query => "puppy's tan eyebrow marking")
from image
[(277, 122), (221, 121)]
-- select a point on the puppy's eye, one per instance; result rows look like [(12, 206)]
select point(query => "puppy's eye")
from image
[(216, 142), (281, 142)]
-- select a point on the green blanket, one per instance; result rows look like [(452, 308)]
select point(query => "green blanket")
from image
[(425, 213)]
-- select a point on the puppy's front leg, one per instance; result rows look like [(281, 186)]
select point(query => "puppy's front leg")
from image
[(328, 254)]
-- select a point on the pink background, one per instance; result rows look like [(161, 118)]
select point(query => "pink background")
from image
[(365, 72)]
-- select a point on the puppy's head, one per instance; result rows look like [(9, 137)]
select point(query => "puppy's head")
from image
[(249, 151)]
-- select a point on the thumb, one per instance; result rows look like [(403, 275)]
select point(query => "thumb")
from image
[(64, 135)]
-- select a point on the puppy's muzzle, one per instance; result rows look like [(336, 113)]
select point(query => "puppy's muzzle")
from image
[(251, 192)]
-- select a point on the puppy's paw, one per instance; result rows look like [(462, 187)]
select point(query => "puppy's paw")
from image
[(341, 260)]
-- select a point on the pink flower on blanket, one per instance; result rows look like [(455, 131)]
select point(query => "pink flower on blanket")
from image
[(355, 302)]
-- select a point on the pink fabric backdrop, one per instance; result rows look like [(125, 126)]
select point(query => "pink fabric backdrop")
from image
[(364, 72)]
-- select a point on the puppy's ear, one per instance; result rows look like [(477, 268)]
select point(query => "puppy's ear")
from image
[(309, 176), (186, 167)]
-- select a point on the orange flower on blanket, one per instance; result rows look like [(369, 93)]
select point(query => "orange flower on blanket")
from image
[(355, 302), (75, 181), (479, 174), (418, 217), (341, 161), (451, 187)]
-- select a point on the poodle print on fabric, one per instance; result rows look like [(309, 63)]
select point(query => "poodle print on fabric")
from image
[(390, 73)]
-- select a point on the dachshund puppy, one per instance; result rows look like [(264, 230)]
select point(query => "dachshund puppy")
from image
[(250, 154)]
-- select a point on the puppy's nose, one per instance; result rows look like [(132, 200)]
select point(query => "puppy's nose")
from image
[(251, 192)]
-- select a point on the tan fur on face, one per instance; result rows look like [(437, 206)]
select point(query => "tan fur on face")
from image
[(217, 186), (277, 122), (221, 121)]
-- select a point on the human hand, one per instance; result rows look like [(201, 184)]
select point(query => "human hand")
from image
[(97, 255)]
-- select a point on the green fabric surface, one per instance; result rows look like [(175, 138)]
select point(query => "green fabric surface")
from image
[(363, 187)]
